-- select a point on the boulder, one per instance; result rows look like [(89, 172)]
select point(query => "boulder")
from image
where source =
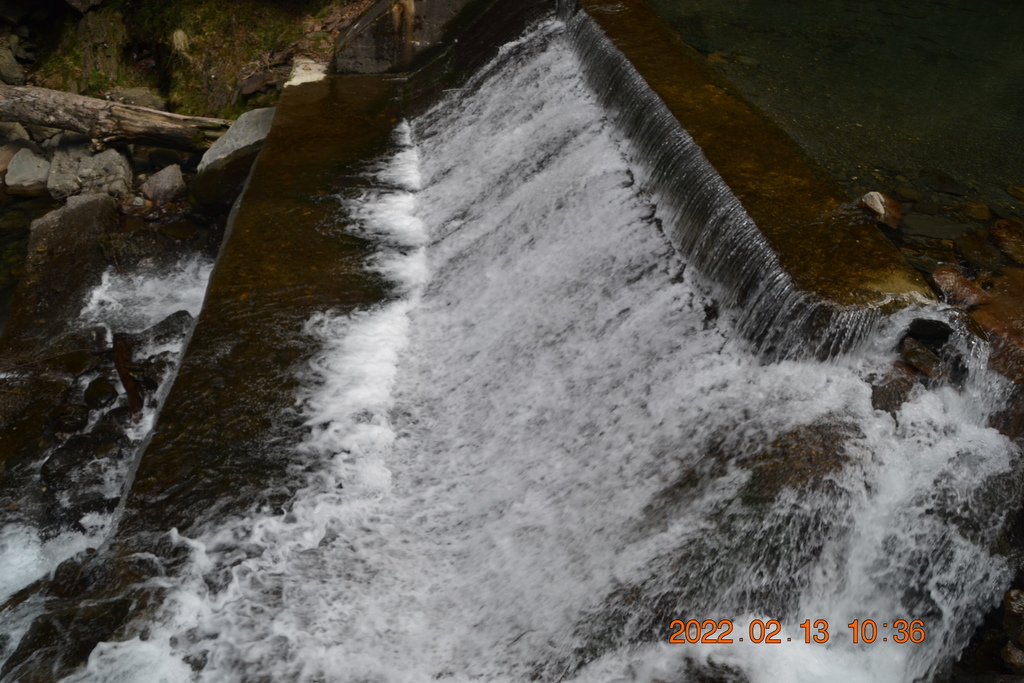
[(1009, 235), (884, 209), (892, 391), (64, 181), (225, 166), (1016, 191), (976, 211), (940, 182), (12, 131), (164, 185), (957, 288), (11, 72), (100, 393), (908, 193), (109, 172), (8, 151), (1002, 319), (936, 227), (922, 358), (27, 174), (62, 265), (979, 252)]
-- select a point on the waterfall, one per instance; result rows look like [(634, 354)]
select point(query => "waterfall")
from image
[(565, 429), (705, 220), (551, 442)]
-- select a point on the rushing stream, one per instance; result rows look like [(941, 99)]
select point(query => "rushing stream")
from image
[(554, 440)]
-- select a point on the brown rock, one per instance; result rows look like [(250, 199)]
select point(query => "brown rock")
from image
[(918, 355), (957, 288), (936, 227), (1003, 321), (1017, 191), (908, 193), (892, 391), (256, 83), (979, 252), (940, 182), (976, 211), (1009, 235), (884, 209), (1013, 657)]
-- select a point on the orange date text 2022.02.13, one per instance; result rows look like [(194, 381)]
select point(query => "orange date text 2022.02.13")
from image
[(710, 631)]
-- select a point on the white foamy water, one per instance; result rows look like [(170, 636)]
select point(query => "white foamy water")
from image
[(133, 302), (547, 446), (121, 303)]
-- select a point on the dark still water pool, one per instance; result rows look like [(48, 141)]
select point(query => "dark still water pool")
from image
[(883, 94)]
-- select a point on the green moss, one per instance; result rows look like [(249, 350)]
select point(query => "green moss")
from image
[(218, 45)]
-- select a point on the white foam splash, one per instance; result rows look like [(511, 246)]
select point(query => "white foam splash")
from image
[(131, 303)]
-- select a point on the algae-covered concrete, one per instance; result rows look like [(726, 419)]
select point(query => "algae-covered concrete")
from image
[(829, 249), (281, 262)]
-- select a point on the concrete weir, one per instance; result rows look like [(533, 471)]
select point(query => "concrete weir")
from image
[(829, 250), (281, 261)]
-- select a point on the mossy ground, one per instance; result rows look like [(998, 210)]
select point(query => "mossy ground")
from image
[(195, 53)]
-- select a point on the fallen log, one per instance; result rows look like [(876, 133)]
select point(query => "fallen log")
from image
[(108, 122)]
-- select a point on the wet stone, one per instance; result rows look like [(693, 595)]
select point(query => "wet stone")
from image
[(115, 420), (57, 642), (933, 226), (71, 418), (932, 333), (907, 193), (156, 371), (1009, 235), (168, 331), (928, 208), (100, 393), (922, 358), (883, 209), (957, 288), (940, 182), (59, 468), (894, 388), (976, 211), (1016, 191), (979, 252), (1000, 211)]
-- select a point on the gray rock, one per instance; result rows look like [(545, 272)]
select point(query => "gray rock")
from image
[(8, 151), (225, 166), (13, 131), (247, 132), (27, 174), (61, 266), (11, 72), (41, 133), (109, 171), (165, 185), (142, 97), (64, 181)]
